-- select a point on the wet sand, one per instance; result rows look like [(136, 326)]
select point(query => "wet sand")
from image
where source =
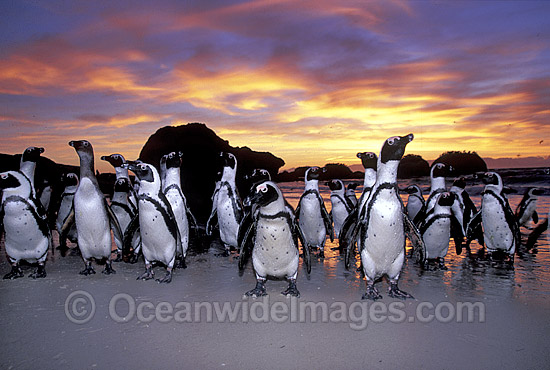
[(37, 333)]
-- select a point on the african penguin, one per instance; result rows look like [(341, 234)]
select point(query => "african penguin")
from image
[(463, 206), (273, 239), (500, 227), (117, 161), (124, 211), (313, 218), (171, 187), (157, 224), (27, 165), (70, 180), (27, 234), (382, 230), (526, 210), (437, 185), (350, 193), (415, 200), (227, 205), (436, 229), (91, 213), (341, 207)]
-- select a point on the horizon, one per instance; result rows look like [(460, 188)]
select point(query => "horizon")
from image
[(312, 82)]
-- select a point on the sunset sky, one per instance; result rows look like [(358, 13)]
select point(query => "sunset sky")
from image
[(312, 81)]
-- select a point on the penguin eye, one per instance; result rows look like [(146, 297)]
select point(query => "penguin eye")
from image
[(391, 140), (262, 188), (4, 176), (85, 143)]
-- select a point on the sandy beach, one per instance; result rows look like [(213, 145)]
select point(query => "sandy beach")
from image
[(50, 324)]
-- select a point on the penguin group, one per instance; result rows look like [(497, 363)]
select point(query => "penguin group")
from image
[(148, 217)]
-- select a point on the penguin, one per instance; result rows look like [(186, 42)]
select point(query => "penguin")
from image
[(436, 229), (341, 207), (272, 238), (124, 212), (157, 224), (27, 165), (171, 187), (70, 180), (227, 206), (312, 215), (117, 161), (463, 206), (383, 225), (500, 227), (27, 234), (537, 232), (527, 208), (91, 213), (415, 200), (349, 230), (437, 186), (45, 195), (350, 193)]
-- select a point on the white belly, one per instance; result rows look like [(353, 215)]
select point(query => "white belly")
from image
[(180, 213), (437, 238), (496, 232), (158, 244), (227, 220), (311, 221)]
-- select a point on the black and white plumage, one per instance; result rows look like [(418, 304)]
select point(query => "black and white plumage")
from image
[(383, 224), (463, 207), (171, 187), (272, 239), (438, 172), (70, 181), (341, 207), (350, 193), (350, 228), (92, 214), (436, 229), (157, 224), (227, 207), (26, 231), (312, 215), (415, 200), (27, 165), (495, 218), (526, 211), (118, 162)]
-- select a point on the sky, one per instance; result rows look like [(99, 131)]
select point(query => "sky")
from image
[(311, 81)]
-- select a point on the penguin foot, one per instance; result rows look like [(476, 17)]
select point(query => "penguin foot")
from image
[(133, 259), (321, 254), (108, 269), (372, 293), (166, 279), (395, 292), (180, 263), (147, 275), (63, 250), (14, 273), (39, 273), (118, 257), (225, 253), (258, 291), (291, 290), (89, 270)]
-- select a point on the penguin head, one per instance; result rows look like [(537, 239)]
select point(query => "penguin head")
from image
[(229, 160), (314, 173), (491, 178), (335, 185), (9, 180), (116, 160), (460, 182), (31, 154), (368, 159), (413, 189), (393, 148), (144, 172), (122, 185), (440, 170), (173, 159), (70, 179), (83, 148), (352, 186), (259, 175), (265, 193), (446, 199), (533, 192)]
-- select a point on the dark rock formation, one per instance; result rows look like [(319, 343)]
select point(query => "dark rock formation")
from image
[(463, 163), (413, 165), (201, 149)]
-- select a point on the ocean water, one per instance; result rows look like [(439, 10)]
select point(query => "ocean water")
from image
[(468, 275)]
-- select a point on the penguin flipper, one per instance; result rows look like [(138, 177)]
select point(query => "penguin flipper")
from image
[(327, 219), (420, 216), (306, 252), (212, 220), (536, 233), (474, 231), (127, 248), (535, 217), (412, 233), (246, 242), (69, 221), (457, 234), (115, 226)]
